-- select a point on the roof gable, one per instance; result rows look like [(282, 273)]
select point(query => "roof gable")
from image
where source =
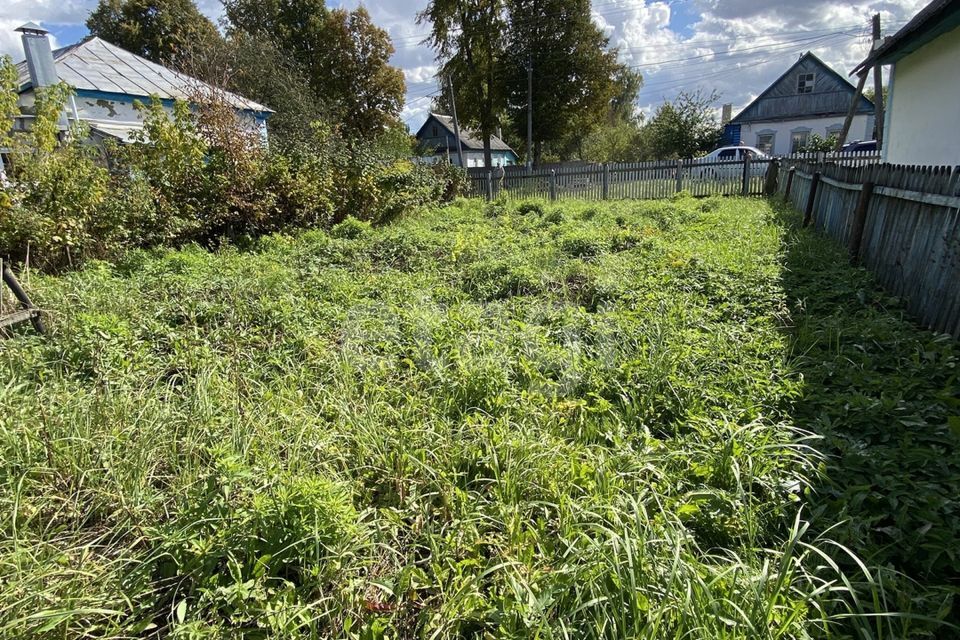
[(94, 64), (830, 97)]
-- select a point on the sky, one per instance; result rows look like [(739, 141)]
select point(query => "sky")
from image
[(734, 47)]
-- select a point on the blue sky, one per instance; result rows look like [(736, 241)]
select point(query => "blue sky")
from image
[(734, 47)]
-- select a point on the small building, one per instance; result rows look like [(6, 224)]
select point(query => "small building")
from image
[(922, 119), (107, 80), (809, 98), (439, 142)]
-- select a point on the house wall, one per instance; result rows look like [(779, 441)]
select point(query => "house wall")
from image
[(473, 158), (924, 105), (119, 109), (860, 129)]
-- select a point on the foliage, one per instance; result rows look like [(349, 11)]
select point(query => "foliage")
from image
[(349, 73), (160, 30), (55, 208), (817, 143), (575, 73), (577, 421), (684, 128)]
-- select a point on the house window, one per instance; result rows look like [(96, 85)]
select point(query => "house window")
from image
[(436, 132), (834, 131), (798, 140), (805, 83), (765, 142)]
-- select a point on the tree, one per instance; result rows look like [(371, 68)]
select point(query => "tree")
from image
[(159, 30), (469, 37), (685, 127), (342, 54), (575, 75)]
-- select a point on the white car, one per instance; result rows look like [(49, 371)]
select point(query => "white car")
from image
[(715, 163)]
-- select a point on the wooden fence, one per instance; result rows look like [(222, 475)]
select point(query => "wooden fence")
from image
[(901, 222), (640, 180)]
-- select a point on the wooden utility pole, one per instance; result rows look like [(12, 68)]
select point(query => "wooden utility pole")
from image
[(852, 111), (529, 115), (877, 84), (456, 123)]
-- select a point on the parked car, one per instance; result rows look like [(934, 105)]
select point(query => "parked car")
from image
[(724, 163), (860, 145)]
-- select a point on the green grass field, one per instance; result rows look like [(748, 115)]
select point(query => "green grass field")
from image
[(672, 419)]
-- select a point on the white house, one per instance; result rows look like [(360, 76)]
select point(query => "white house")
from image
[(107, 80), (922, 121), (809, 98)]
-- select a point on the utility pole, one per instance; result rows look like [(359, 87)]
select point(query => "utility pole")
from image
[(456, 123), (878, 84), (529, 114)]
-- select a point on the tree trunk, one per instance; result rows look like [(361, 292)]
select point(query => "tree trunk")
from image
[(487, 153)]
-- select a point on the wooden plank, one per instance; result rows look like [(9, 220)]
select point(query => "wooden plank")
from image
[(17, 317)]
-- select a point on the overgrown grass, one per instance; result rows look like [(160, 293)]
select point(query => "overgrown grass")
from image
[(481, 421)]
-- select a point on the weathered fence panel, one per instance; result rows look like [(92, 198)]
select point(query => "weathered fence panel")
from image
[(900, 222)]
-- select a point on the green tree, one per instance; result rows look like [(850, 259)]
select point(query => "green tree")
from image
[(575, 74), (685, 127), (342, 54), (469, 38), (159, 30)]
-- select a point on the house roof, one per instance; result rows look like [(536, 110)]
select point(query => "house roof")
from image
[(780, 101), (934, 20), (468, 139), (93, 64)]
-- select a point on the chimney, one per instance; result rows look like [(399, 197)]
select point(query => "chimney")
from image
[(726, 114), (499, 132), (43, 71)]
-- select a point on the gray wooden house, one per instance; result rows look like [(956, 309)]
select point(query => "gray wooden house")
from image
[(809, 98), (439, 142)]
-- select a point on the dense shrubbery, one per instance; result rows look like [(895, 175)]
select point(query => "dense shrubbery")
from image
[(195, 175)]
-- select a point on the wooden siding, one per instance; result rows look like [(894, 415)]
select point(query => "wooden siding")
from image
[(830, 97)]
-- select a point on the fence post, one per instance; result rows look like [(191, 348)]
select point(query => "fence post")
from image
[(745, 190), (606, 181), (21, 296), (773, 176), (489, 186), (553, 185), (786, 191), (860, 221), (679, 175), (808, 213)]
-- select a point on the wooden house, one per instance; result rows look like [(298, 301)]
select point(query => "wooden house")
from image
[(439, 142), (809, 98)]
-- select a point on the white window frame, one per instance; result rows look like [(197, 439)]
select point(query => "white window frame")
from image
[(773, 140), (806, 82)]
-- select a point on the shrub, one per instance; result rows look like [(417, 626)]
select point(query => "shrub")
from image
[(350, 228)]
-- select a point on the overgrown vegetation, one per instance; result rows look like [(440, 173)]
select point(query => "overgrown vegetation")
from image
[(481, 421), (193, 175)]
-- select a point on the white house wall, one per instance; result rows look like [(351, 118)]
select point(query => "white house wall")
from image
[(860, 129), (924, 109)]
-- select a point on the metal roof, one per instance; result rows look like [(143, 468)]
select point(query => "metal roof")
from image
[(935, 19), (94, 64)]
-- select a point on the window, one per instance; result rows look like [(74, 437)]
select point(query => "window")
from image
[(834, 131), (765, 142), (727, 154), (805, 82), (798, 140), (436, 131)]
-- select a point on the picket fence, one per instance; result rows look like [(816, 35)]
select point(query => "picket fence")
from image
[(900, 222), (641, 180)]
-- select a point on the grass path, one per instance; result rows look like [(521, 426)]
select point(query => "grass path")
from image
[(481, 421)]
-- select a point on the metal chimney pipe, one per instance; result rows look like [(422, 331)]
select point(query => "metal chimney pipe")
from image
[(40, 64)]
